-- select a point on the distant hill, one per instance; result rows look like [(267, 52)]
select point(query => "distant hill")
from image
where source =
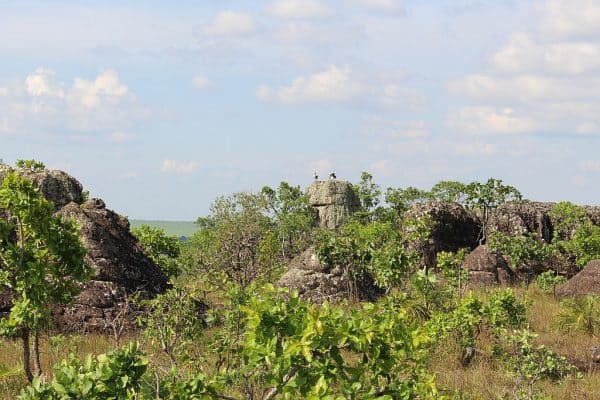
[(177, 228)]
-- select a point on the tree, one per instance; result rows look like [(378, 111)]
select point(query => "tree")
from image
[(41, 262), (485, 197), (402, 199), (292, 215), (239, 244), (450, 191), (160, 247)]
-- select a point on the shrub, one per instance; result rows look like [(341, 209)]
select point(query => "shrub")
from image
[(581, 314)]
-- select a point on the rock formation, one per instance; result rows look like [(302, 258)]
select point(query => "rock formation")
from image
[(487, 268), (334, 201), (318, 283), (452, 228), (587, 281), (121, 267)]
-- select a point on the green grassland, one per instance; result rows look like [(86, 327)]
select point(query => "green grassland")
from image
[(176, 228)]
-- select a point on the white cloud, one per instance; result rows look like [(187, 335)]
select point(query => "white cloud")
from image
[(297, 9), (483, 120), (591, 166), (382, 5), (523, 54), (332, 85), (475, 149), (231, 23), (4, 92), (121, 137), (41, 83), (86, 95), (570, 18), (201, 82), (179, 167)]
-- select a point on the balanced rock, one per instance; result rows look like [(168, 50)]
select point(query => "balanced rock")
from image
[(587, 281), (452, 228), (317, 282), (334, 201), (487, 268)]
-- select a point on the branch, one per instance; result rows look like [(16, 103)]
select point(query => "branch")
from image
[(271, 393)]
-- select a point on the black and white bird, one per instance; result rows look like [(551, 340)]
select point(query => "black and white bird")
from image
[(332, 175), (315, 175)]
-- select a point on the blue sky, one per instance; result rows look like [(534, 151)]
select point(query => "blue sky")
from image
[(159, 107)]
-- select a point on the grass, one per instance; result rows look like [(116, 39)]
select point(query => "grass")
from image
[(487, 377), (176, 228)]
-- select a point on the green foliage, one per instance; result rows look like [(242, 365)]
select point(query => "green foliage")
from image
[(309, 351), (580, 314), (575, 233), (401, 200), (116, 375), (450, 191), (523, 251), (485, 197), (41, 257), (547, 281), (450, 266), (584, 245), (172, 321), (530, 364), (162, 249), (30, 164), (376, 249), (504, 310), (293, 217)]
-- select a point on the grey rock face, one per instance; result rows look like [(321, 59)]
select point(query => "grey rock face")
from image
[(334, 201), (318, 283), (452, 228), (120, 265), (488, 268), (587, 281)]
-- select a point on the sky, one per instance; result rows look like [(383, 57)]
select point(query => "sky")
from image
[(159, 107)]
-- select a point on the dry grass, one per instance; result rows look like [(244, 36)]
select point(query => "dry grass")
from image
[(487, 377)]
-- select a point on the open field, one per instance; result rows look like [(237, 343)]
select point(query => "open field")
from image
[(176, 228)]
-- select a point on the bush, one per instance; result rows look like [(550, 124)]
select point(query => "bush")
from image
[(581, 314), (548, 280)]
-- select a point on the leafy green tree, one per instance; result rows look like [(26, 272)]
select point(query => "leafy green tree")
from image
[(450, 191), (523, 252), (240, 244), (41, 262), (402, 200), (485, 197), (293, 217), (547, 281), (160, 247)]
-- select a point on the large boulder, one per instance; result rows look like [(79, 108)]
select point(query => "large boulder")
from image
[(487, 268), (317, 282), (452, 228), (121, 269), (57, 186), (587, 281), (522, 218), (120, 266), (334, 201)]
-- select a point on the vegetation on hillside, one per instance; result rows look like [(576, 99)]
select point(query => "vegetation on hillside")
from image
[(225, 332)]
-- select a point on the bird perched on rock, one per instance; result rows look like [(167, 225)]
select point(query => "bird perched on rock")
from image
[(332, 175), (315, 175)]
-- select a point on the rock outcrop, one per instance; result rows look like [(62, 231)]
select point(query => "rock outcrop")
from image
[(120, 266), (334, 201), (318, 283), (452, 228), (487, 268), (587, 281), (521, 219)]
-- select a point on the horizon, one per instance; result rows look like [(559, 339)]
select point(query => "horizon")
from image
[(160, 108)]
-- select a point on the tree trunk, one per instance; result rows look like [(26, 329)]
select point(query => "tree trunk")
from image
[(26, 354), (37, 366)]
